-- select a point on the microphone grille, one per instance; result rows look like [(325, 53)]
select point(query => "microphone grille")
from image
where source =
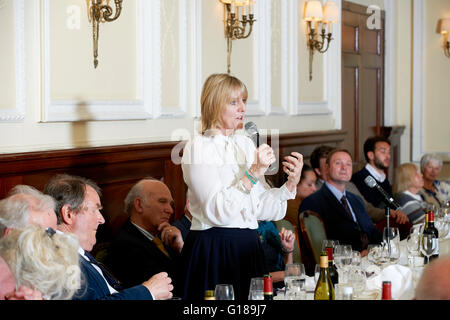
[(250, 128), (370, 182)]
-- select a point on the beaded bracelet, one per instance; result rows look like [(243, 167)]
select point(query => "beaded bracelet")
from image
[(252, 174), (250, 178)]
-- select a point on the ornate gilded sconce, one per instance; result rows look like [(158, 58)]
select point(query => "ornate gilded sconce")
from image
[(239, 16), (99, 11), (316, 17), (445, 31)]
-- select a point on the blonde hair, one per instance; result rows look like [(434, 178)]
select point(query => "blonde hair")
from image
[(216, 93), (43, 260), (404, 176)]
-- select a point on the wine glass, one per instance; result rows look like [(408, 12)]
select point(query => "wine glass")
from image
[(256, 291), (294, 280), (224, 292), (358, 280), (428, 245), (356, 258), (391, 240), (327, 243), (342, 258)]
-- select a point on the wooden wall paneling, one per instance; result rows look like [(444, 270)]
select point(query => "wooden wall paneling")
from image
[(116, 168)]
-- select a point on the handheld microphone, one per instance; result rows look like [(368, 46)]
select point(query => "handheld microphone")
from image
[(372, 183), (252, 131)]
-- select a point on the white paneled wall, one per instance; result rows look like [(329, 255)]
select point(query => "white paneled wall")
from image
[(152, 64)]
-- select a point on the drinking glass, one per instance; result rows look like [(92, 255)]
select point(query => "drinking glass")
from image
[(294, 280), (316, 273), (356, 258), (256, 291), (224, 292), (428, 245), (391, 240), (413, 246), (357, 279), (342, 258), (327, 243)]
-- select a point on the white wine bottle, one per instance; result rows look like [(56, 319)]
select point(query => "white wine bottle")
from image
[(324, 288)]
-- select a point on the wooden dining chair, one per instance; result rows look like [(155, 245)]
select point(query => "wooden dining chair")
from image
[(312, 233)]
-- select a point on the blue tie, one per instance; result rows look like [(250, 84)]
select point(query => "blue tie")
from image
[(108, 276)]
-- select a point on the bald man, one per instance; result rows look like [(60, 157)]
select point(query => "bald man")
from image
[(434, 284), (146, 244)]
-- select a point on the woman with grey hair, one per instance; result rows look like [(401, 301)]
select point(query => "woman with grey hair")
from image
[(41, 260), (434, 191)]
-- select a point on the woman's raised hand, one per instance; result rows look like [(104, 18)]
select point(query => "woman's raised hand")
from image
[(292, 166)]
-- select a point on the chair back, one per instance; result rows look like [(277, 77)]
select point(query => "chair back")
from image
[(297, 258), (313, 233)]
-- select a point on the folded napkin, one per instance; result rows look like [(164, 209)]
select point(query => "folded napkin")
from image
[(401, 279)]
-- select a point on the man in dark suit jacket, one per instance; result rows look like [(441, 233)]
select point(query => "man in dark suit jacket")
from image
[(146, 244), (377, 151), (345, 219), (78, 212)]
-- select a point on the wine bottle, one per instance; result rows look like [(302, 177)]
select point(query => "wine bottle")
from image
[(268, 287), (431, 229), (332, 267), (386, 293), (324, 288)]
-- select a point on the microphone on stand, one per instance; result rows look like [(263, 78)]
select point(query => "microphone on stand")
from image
[(252, 131), (390, 202), (372, 183)]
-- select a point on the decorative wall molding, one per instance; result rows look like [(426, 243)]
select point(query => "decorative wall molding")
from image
[(284, 60), (389, 70), (147, 106), (332, 68), (261, 60), (195, 55), (418, 112), (181, 108), (17, 114)]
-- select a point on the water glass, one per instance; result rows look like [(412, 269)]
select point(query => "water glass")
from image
[(391, 244), (343, 291), (294, 281), (256, 291), (224, 292)]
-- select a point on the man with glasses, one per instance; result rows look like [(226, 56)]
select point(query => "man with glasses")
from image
[(78, 211)]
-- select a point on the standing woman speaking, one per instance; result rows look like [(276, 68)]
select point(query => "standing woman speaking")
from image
[(228, 194)]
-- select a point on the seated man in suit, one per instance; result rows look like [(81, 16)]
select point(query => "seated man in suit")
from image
[(377, 151), (343, 213), (138, 251), (78, 211)]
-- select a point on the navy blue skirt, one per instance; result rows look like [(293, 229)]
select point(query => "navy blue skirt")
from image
[(219, 255)]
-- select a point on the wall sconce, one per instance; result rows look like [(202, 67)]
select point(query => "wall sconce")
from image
[(99, 11), (239, 15), (445, 31), (316, 17)]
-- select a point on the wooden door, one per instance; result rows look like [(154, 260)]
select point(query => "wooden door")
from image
[(362, 78)]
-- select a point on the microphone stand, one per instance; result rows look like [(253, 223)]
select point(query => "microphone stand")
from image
[(388, 213)]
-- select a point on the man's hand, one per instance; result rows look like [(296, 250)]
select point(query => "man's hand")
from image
[(399, 216), (171, 236), (160, 286)]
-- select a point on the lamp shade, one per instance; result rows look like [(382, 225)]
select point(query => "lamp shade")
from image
[(331, 12), (445, 25), (313, 11)]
